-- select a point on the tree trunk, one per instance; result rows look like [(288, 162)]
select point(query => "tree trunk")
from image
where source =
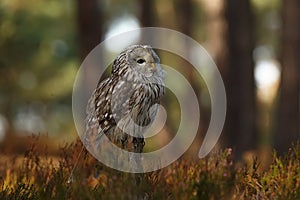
[(147, 14), (147, 19), (215, 28), (89, 25), (240, 129), (288, 119), (90, 33), (185, 12), (185, 16)]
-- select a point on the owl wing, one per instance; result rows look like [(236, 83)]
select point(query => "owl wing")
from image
[(108, 104), (99, 108)]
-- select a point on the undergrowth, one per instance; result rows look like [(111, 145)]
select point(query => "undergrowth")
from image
[(40, 176)]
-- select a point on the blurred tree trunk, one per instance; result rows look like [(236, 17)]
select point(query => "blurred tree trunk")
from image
[(287, 130), (215, 27), (147, 14), (147, 17), (240, 127), (89, 25), (90, 31), (185, 16)]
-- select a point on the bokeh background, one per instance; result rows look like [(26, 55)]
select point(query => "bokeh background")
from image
[(255, 44)]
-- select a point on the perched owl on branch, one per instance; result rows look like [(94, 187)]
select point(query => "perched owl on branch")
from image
[(123, 105)]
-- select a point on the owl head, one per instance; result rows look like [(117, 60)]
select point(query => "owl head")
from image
[(141, 59)]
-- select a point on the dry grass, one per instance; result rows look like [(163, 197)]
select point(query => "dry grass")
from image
[(39, 176)]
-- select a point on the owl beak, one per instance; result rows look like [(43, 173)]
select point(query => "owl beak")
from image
[(153, 67)]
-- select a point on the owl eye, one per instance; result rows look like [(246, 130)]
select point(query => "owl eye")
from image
[(140, 61)]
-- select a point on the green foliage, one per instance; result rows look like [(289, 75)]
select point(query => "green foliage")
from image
[(39, 57), (216, 177)]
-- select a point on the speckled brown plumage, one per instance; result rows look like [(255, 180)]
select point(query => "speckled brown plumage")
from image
[(133, 87)]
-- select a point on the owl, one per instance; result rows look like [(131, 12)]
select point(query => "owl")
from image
[(125, 104)]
